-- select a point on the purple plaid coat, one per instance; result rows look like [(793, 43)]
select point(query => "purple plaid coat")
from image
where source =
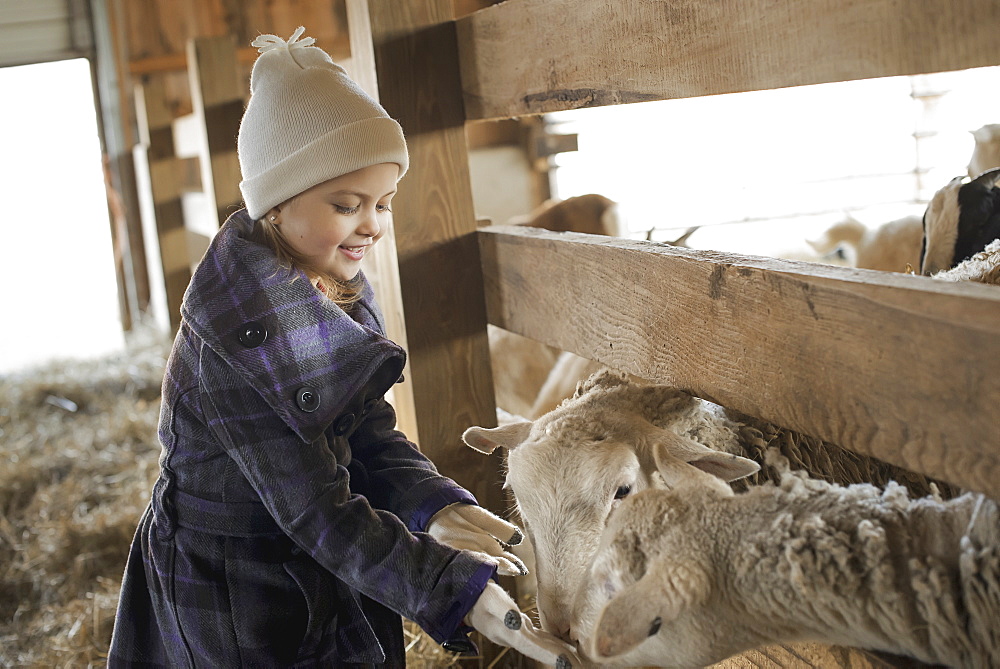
[(287, 524)]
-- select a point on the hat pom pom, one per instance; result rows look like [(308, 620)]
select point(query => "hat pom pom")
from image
[(265, 43)]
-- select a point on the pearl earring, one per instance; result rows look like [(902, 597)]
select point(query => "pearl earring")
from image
[(274, 217)]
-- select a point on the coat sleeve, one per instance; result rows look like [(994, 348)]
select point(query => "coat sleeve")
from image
[(401, 478), (306, 490)]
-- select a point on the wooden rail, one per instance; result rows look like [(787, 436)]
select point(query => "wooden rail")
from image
[(900, 367), (534, 56), (903, 368)]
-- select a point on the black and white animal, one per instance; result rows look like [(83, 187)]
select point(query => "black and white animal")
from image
[(960, 221)]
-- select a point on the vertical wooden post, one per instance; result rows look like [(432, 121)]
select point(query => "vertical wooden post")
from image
[(158, 184), (217, 97), (383, 270), (115, 114), (441, 283)]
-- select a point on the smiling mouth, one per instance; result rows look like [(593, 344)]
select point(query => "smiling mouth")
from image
[(355, 251)]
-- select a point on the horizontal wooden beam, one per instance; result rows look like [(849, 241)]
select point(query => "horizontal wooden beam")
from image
[(175, 62), (903, 368), (535, 56), (338, 48)]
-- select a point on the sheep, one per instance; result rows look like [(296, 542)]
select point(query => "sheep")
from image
[(593, 433), (986, 153), (566, 469), (567, 372), (891, 247), (691, 574), (521, 368), (961, 219), (591, 213)]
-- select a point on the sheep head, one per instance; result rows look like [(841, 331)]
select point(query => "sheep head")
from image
[(569, 469), (961, 219), (654, 577)]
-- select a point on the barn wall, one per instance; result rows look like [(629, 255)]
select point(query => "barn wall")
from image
[(44, 30), (154, 35)]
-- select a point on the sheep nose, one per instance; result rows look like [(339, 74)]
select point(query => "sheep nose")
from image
[(556, 626), (563, 632)]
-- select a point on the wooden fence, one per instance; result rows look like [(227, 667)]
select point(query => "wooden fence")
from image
[(900, 367)]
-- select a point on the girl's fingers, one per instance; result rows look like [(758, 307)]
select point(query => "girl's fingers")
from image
[(494, 525), (509, 565)]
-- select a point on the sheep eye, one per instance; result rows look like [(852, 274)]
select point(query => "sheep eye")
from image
[(623, 491)]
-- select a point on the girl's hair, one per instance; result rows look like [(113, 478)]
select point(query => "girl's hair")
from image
[(343, 293)]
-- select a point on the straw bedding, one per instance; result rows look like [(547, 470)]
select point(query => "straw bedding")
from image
[(77, 463)]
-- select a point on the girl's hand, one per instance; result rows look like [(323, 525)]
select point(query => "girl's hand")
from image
[(496, 616), (472, 528)]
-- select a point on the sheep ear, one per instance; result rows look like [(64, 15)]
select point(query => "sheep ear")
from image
[(725, 466), (988, 178), (486, 440), (638, 611)]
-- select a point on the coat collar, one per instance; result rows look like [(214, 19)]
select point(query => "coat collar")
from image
[(282, 337)]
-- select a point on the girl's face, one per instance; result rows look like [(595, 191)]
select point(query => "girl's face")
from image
[(335, 223)]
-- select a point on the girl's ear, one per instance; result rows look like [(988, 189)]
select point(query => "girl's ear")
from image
[(486, 440)]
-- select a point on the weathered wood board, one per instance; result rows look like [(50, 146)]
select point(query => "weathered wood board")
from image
[(536, 56), (903, 368), (217, 92)]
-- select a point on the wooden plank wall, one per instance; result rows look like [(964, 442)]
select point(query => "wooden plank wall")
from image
[(160, 176), (145, 43), (217, 92), (154, 35)]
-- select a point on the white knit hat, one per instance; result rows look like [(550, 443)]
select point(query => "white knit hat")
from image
[(307, 123)]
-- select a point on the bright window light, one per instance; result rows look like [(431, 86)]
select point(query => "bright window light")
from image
[(763, 171), (57, 268)]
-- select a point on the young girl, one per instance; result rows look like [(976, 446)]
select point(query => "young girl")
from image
[(291, 524)]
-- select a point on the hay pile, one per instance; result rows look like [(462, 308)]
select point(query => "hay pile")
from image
[(77, 463), (78, 458)]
